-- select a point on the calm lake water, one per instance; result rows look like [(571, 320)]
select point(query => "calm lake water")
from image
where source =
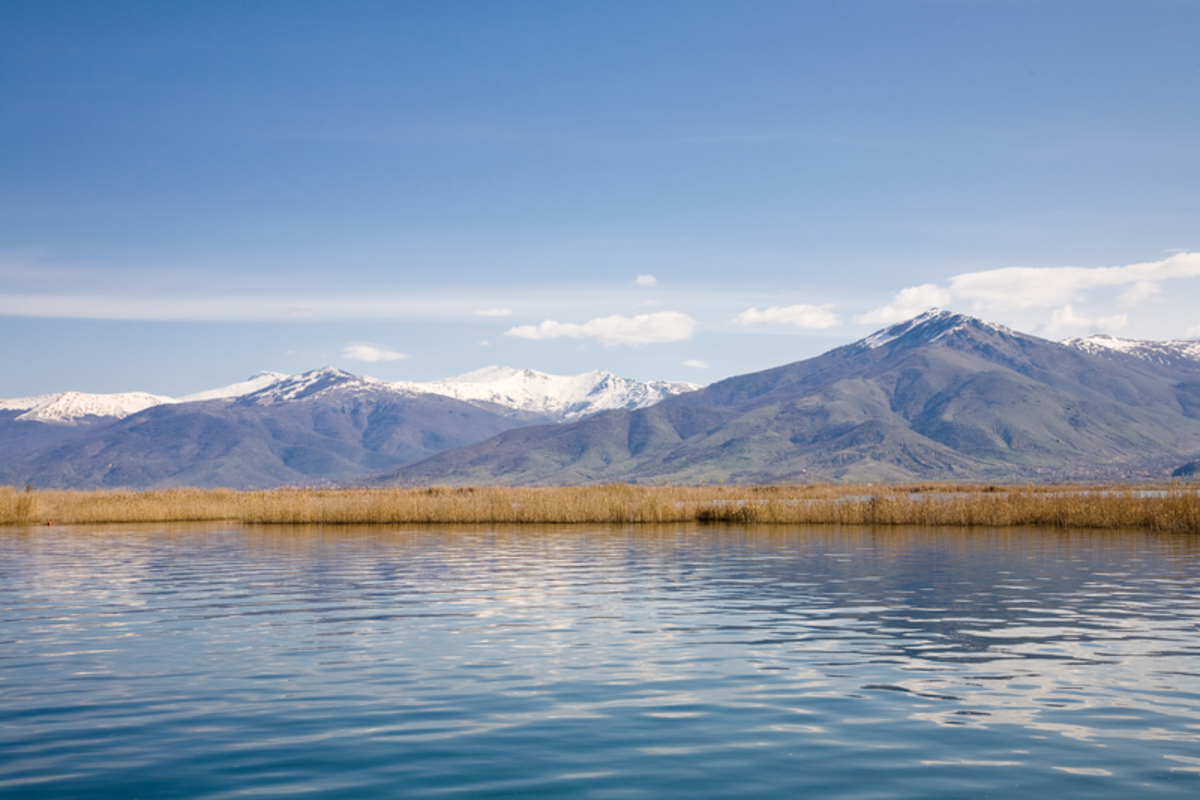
[(599, 662)]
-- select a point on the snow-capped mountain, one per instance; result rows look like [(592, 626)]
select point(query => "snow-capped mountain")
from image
[(1166, 353), (308, 384), (556, 397), (932, 325), (563, 397), (559, 397), (322, 426), (943, 396), (72, 407)]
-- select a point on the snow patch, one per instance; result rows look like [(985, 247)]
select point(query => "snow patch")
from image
[(307, 384), (933, 325), (258, 381), (1155, 352), (563, 398), (69, 407), (566, 397)]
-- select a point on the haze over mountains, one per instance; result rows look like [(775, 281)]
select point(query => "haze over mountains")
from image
[(942, 396)]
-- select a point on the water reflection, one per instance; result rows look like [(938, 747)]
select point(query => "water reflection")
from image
[(640, 660)]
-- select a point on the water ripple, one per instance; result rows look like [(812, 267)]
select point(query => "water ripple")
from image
[(652, 661)]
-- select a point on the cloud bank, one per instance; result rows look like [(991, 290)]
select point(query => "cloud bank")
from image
[(364, 351), (657, 328), (800, 316), (1015, 288)]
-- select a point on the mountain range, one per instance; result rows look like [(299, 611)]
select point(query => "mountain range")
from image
[(321, 427), (943, 396)]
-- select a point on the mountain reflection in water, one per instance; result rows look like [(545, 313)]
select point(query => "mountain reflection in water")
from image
[(647, 661)]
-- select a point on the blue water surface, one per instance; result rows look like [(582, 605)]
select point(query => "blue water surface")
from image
[(597, 662)]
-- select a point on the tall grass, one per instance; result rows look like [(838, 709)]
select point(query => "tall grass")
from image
[(1170, 508), (16, 507)]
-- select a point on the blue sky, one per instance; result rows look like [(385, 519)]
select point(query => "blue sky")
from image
[(191, 192)]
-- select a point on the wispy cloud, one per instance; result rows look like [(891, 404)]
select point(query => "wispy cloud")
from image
[(494, 312), (662, 326), (646, 280), (800, 316), (365, 351), (696, 363), (1014, 288)]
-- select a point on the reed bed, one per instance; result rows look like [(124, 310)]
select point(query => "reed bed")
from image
[(1174, 508)]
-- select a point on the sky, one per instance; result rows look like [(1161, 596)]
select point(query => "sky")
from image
[(191, 192)]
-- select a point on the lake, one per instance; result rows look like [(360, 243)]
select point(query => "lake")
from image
[(600, 662)]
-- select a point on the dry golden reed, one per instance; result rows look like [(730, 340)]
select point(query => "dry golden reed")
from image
[(1170, 508)]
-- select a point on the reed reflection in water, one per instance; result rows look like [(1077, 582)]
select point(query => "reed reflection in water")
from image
[(640, 661)]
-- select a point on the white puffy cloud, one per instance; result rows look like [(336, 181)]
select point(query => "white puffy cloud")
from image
[(494, 312), (696, 363), (646, 280), (801, 316), (1066, 318), (363, 351), (662, 326), (1192, 331), (907, 304), (1015, 288)]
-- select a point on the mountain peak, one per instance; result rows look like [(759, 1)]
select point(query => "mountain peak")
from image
[(303, 385), (934, 324), (323, 373)]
